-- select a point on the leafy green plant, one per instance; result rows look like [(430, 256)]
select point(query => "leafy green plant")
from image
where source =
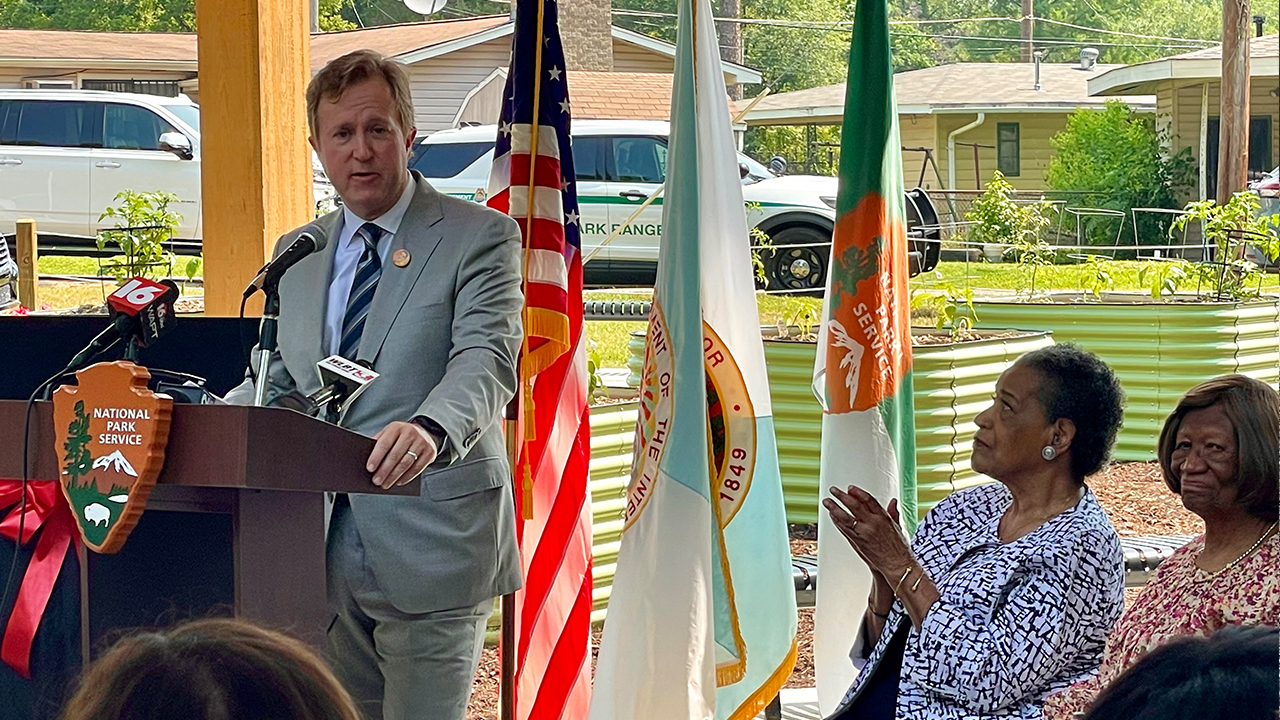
[(760, 243), (144, 223), (942, 305), (1099, 275), (1164, 278), (595, 383), (1231, 228), (998, 220), (1117, 157)]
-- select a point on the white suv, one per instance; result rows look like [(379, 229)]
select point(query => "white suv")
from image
[(65, 154)]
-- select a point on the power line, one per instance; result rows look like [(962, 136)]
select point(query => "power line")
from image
[(1117, 32), (845, 26)]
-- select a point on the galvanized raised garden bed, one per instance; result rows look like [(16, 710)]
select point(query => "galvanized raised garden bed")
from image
[(1158, 349)]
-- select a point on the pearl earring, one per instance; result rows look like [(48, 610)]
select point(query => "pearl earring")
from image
[(1048, 453)]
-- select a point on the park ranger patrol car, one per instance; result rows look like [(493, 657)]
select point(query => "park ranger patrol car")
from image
[(619, 163)]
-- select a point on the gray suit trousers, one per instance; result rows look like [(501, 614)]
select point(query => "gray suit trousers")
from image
[(395, 665)]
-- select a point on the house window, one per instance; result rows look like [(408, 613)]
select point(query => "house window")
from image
[(1259, 150), (1008, 155)]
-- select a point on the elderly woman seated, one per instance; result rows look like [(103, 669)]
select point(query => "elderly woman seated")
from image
[(1220, 451), (1008, 590)]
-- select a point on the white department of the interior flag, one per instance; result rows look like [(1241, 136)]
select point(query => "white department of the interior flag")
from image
[(703, 595)]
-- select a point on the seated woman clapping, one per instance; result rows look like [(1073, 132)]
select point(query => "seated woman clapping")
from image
[(1008, 590), (1219, 450)]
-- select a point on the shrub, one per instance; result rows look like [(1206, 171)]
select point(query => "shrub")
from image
[(1115, 156)]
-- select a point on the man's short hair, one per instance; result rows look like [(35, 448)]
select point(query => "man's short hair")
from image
[(352, 69)]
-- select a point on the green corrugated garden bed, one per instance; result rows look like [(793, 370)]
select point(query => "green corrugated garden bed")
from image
[(1158, 349)]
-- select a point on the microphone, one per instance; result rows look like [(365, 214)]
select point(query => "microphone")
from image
[(343, 381), (140, 309), (309, 240)]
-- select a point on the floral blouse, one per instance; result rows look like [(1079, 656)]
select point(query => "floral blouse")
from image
[(1015, 621), (1182, 599)]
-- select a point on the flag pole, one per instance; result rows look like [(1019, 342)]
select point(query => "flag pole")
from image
[(507, 644)]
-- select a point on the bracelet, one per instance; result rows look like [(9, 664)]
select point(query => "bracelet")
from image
[(873, 612), (916, 584), (905, 575)]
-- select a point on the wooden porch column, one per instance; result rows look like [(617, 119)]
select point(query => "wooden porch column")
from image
[(1233, 117), (256, 165)]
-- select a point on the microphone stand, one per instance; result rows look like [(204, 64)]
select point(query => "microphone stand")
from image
[(266, 340)]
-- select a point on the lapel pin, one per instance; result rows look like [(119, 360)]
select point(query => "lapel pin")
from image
[(400, 258)]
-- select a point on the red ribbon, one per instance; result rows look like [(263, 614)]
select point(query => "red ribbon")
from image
[(47, 508)]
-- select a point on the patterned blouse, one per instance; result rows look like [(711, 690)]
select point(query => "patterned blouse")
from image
[(1182, 599), (1014, 621)]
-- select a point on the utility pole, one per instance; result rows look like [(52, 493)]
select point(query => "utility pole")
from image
[(1028, 30), (1233, 113), (731, 39)]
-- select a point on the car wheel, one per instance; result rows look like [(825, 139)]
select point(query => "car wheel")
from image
[(797, 263)]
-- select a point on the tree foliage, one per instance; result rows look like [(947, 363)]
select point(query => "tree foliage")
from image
[(1115, 155)]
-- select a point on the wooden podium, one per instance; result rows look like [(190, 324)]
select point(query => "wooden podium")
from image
[(264, 469)]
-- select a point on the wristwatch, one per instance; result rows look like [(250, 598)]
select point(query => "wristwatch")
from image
[(437, 433)]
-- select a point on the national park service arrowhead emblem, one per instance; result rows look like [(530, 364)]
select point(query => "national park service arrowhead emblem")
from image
[(111, 433)]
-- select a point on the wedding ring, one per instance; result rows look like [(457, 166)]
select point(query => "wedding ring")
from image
[(412, 454)]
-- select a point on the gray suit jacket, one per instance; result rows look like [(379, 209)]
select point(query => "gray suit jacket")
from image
[(444, 333)]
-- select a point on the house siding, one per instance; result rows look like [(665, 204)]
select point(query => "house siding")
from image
[(1184, 101), (633, 58), (1035, 152), (918, 131), (440, 84)]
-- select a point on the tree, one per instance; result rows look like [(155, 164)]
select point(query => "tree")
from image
[(1116, 155)]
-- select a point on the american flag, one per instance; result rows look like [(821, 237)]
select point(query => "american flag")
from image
[(533, 181)]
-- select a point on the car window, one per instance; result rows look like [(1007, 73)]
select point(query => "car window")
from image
[(189, 114), (48, 123), (129, 127), (639, 159), (589, 155), (446, 160)]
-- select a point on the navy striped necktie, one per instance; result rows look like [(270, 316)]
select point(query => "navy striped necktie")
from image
[(362, 288)]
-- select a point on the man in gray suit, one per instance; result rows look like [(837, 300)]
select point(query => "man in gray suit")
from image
[(426, 288)]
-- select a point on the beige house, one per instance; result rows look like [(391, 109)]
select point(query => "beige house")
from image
[(1186, 90), (446, 60), (948, 109)]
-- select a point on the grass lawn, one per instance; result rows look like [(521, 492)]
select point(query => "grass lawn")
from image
[(983, 278), (63, 265)]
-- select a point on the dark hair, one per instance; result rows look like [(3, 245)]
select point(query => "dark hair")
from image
[(1230, 676), (210, 670), (1253, 407), (352, 69), (1078, 386)]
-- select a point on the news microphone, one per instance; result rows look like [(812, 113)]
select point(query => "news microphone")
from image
[(141, 309), (309, 240), (342, 379)]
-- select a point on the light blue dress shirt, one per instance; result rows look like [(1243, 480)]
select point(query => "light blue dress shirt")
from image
[(347, 256)]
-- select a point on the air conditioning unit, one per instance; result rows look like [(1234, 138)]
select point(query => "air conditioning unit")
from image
[(49, 84)]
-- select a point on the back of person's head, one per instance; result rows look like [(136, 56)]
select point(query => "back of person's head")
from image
[(1078, 386), (1230, 676), (210, 670)]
